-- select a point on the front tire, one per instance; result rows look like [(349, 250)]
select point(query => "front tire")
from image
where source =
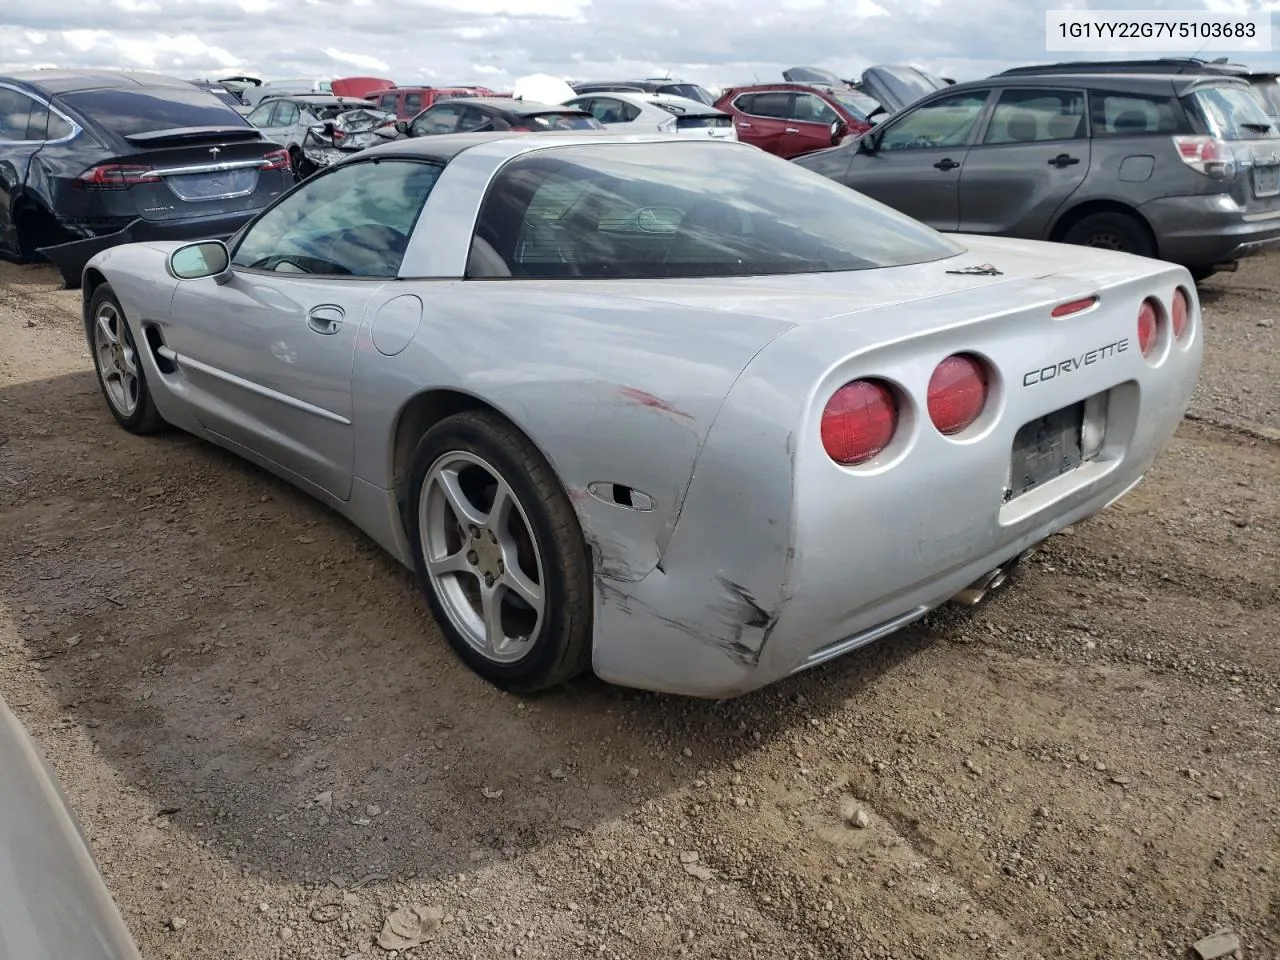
[(499, 553), (115, 359), (1111, 231)]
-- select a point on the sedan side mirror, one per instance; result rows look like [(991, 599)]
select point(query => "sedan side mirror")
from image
[(195, 261), (868, 143), (838, 129), (402, 126)]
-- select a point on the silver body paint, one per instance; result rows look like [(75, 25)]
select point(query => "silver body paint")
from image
[(53, 903), (751, 554)]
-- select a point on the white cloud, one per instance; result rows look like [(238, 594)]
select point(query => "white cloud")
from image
[(358, 60), (714, 42)]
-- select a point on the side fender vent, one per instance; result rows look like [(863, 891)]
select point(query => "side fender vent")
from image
[(620, 495)]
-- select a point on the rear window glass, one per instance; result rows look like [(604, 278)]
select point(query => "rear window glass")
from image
[(690, 91), (1269, 91), (704, 120), (1233, 113), (642, 211), (1127, 115), (142, 110), (562, 121)]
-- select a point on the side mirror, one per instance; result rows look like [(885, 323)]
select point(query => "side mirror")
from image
[(195, 261), (402, 127), (868, 143), (838, 129)]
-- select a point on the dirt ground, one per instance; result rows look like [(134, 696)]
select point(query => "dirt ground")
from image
[(271, 747)]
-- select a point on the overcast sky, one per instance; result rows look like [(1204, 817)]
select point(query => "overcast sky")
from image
[(715, 42)]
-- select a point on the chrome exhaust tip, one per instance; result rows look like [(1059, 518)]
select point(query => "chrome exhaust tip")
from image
[(977, 591)]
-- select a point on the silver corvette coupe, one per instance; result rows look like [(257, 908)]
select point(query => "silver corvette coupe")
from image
[(676, 410)]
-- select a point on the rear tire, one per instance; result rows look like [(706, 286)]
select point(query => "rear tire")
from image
[(1111, 231), (508, 580), (115, 359)]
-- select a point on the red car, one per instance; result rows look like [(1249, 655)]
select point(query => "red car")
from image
[(407, 102), (791, 119)]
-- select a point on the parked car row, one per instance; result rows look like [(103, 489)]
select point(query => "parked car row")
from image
[(1176, 159)]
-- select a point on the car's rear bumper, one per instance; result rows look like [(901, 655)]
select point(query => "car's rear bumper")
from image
[(70, 258), (1201, 231)]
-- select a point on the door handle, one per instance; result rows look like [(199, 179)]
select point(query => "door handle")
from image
[(1063, 160), (946, 163), (325, 320), (792, 130)]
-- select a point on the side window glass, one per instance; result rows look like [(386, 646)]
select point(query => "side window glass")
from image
[(388, 104), (946, 122), (38, 121), (472, 119), (1032, 116), (773, 105), (355, 221), (412, 102), (607, 110), (15, 111), (442, 119), (262, 116), (1124, 115), (290, 114), (745, 103), (810, 109), (630, 113), (58, 128)]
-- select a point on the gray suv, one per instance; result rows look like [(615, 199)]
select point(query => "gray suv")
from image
[(1183, 168)]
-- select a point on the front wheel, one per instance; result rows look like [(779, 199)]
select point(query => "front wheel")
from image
[(499, 553), (119, 369), (1111, 231)]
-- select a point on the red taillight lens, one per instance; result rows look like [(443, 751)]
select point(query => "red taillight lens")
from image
[(1072, 306), (1181, 310), (859, 421), (276, 160), (1206, 155), (1147, 328), (112, 176), (957, 393)]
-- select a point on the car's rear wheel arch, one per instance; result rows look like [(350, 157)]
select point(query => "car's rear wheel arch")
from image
[(1080, 212), (93, 279), (36, 226)]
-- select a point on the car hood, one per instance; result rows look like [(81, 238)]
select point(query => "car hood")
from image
[(542, 88), (887, 84), (1028, 270)]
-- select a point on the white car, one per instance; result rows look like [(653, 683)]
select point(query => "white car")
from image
[(656, 113)]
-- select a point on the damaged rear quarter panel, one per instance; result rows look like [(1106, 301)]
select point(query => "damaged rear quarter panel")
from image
[(611, 388)]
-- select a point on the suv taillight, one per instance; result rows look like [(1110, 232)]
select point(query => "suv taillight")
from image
[(276, 160), (112, 176), (1207, 155), (957, 393), (859, 421)]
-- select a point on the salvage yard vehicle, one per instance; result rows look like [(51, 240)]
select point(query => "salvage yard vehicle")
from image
[(53, 902), (484, 114), (342, 135), (287, 120), (674, 409), (656, 113), (1185, 168), (95, 159), (792, 119)]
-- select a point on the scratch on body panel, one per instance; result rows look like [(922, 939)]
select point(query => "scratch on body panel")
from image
[(644, 398), (733, 647)]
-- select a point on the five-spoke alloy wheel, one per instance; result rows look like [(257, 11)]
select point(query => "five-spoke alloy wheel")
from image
[(119, 368), (500, 553)]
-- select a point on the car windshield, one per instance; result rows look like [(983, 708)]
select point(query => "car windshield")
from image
[(859, 104), (1234, 113), (661, 210), (127, 112), (563, 121)]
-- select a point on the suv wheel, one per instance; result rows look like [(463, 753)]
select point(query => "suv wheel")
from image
[(1111, 231)]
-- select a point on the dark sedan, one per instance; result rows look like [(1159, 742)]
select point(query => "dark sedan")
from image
[(92, 159), (484, 114)]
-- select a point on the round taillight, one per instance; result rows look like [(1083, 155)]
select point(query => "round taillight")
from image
[(1181, 309), (859, 421), (1147, 328), (957, 393)]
